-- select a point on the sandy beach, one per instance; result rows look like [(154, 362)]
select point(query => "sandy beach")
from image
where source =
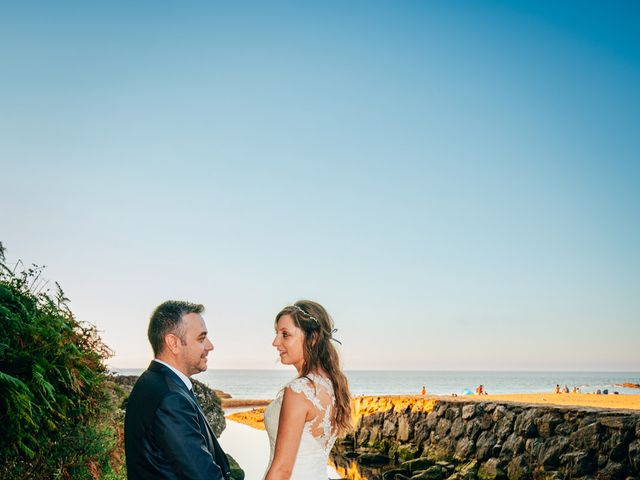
[(626, 402), (255, 417)]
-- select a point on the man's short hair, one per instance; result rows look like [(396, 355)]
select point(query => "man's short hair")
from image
[(166, 318)]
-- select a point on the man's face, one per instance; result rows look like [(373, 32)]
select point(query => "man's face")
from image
[(192, 355)]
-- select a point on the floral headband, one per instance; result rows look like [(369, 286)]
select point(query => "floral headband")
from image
[(310, 317)]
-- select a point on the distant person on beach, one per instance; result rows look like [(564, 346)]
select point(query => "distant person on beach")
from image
[(557, 388), (311, 410), (423, 391), (166, 434), (480, 390), (566, 389)]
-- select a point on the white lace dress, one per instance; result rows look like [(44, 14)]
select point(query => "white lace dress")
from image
[(318, 435)]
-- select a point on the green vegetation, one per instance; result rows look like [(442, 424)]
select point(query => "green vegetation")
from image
[(59, 415)]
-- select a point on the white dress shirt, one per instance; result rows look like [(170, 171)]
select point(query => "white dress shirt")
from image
[(182, 376)]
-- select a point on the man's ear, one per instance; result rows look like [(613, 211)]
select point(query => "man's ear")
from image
[(172, 341)]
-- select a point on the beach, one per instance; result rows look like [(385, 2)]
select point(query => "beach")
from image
[(625, 402), (254, 414)]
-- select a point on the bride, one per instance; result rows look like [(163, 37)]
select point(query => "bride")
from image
[(311, 410)]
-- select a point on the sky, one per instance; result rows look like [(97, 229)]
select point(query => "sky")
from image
[(456, 182)]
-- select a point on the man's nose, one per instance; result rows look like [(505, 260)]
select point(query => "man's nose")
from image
[(208, 345)]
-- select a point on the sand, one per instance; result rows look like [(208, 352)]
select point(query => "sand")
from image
[(239, 402), (254, 417), (367, 405), (626, 402)]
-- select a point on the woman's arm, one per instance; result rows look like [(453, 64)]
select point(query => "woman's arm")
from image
[(295, 411)]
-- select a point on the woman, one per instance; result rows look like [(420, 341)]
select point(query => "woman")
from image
[(314, 408)]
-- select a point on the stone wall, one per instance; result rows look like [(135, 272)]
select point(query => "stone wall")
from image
[(489, 440)]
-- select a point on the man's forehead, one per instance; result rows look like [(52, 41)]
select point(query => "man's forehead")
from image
[(194, 320)]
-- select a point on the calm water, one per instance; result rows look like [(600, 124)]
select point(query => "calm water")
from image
[(264, 384)]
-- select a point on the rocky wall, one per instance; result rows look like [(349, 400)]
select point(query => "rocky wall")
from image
[(468, 439)]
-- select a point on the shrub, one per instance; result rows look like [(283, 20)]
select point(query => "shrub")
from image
[(57, 419)]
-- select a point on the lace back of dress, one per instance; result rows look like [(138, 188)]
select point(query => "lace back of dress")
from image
[(319, 391)]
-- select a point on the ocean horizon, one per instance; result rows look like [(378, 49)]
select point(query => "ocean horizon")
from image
[(265, 384)]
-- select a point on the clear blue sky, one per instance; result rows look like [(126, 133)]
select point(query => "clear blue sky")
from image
[(457, 182)]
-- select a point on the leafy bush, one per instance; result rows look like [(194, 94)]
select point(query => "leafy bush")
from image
[(57, 419)]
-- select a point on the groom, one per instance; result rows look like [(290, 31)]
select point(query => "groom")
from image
[(166, 434)]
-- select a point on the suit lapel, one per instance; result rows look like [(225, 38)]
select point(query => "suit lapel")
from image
[(212, 442)]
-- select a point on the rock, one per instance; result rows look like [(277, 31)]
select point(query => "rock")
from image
[(533, 446), (406, 452), (236, 472), (389, 428), (484, 445), (612, 471), (365, 450), (405, 429), (210, 404), (518, 469), (504, 425), (486, 421), (587, 437), (514, 445), (432, 420), (443, 427), (446, 465), (580, 463), (547, 424), (499, 412), (617, 421), (553, 448), (413, 466), (464, 449), (221, 394), (468, 411), (525, 425), (496, 450), (471, 466), (373, 459), (457, 428), (435, 472), (618, 445), (441, 409), (374, 435), (393, 474), (634, 455), (452, 413), (491, 471)]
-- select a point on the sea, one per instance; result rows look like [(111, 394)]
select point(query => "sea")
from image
[(265, 384)]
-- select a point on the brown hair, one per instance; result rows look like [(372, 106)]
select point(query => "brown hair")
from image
[(320, 353), (167, 318)]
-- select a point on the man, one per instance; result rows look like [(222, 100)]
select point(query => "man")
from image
[(166, 433)]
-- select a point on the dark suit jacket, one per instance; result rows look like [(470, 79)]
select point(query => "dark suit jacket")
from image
[(166, 435)]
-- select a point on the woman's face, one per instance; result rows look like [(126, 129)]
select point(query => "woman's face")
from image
[(289, 341)]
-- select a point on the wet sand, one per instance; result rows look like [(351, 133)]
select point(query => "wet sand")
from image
[(239, 403)]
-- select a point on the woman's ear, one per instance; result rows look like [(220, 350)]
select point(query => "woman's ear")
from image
[(314, 338)]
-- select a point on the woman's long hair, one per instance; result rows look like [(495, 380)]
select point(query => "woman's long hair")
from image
[(321, 354)]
